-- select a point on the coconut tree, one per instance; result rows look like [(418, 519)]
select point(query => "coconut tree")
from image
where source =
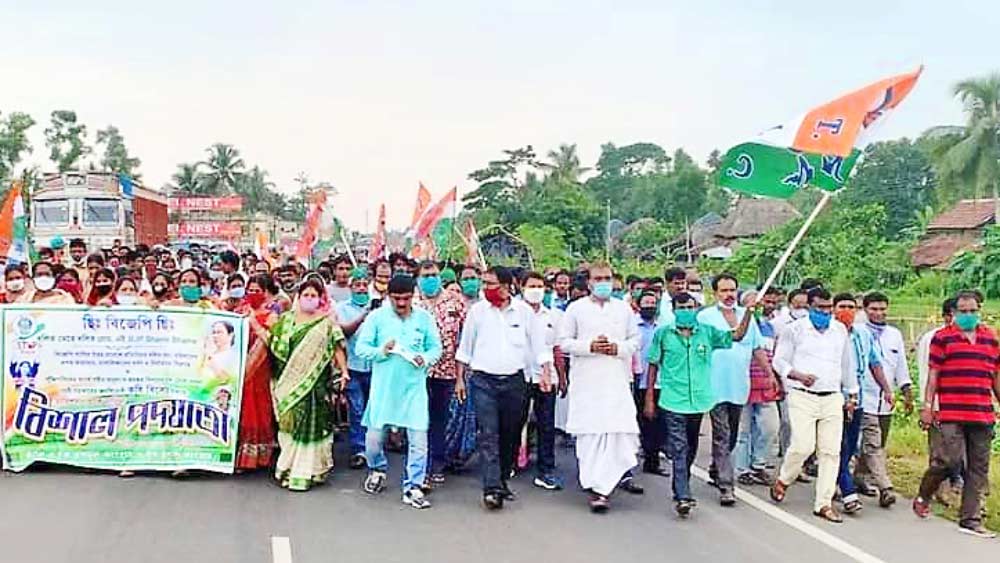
[(186, 181), (223, 167), (971, 154), (564, 164)]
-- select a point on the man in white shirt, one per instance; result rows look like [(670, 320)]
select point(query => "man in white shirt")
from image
[(813, 355), (600, 335), (501, 340), (872, 468)]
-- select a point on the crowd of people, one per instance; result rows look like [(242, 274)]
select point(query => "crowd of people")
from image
[(444, 361)]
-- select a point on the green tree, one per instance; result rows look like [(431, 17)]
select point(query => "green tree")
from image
[(564, 164), (502, 185), (116, 157), (67, 140), (223, 167), (186, 181), (618, 169), (14, 142), (979, 269), (255, 189), (972, 153), (897, 174), (547, 245)]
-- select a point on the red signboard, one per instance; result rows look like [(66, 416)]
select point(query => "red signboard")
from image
[(234, 203), (206, 229)]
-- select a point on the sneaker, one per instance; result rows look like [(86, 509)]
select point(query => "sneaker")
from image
[(746, 479), (761, 477), (358, 461), (415, 498), (886, 498), (853, 506), (507, 494), (493, 501), (629, 485), (436, 479), (727, 498), (684, 507), (921, 507), (978, 531), (864, 489), (548, 482), (374, 483)]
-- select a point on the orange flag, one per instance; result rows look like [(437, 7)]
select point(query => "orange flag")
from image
[(423, 200), (7, 218), (378, 240)]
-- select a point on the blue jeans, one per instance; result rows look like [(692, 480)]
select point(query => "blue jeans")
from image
[(849, 447), (545, 424), (357, 399), (682, 447), (757, 442), (414, 460), (439, 393), (498, 400)]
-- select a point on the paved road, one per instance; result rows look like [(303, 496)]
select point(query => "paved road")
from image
[(55, 515)]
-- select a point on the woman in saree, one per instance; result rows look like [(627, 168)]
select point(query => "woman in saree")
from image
[(255, 448), (309, 354)]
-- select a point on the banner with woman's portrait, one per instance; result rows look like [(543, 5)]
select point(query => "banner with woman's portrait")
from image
[(121, 387)]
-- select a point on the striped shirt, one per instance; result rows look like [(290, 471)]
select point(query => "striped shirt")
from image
[(966, 372)]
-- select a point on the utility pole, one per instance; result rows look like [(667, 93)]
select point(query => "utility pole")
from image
[(607, 234)]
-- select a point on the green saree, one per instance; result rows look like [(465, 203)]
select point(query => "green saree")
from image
[(303, 355)]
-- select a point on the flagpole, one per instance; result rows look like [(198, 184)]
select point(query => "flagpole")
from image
[(350, 253), (791, 246)]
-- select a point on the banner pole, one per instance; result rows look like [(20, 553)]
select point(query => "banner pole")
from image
[(350, 253), (791, 246)]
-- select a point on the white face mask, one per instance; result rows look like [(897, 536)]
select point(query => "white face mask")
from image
[(16, 285), (534, 295), (798, 313), (698, 296), (44, 283), (186, 263), (130, 299)]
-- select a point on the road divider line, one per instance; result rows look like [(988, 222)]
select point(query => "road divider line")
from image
[(822, 536), (281, 549)]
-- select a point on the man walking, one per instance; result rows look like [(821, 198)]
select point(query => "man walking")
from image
[(501, 339), (351, 314), (600, 335), (814, 357), (401, 341), (964, 359), (651, 432)]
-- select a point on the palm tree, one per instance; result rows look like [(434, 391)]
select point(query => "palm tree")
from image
[(255, 189), (565, 164), (972, 153), (187, 181), (224, 166)]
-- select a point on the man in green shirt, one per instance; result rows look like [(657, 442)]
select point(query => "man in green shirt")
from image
[(681, 354)]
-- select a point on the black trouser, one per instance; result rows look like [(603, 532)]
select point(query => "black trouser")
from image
[(652, 433), (439, 394), (498, 400), (957, 441)]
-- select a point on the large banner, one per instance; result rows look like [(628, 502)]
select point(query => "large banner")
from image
[(232, 203), (121, 387), (205, 229)]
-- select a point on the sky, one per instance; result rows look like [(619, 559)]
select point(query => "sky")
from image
[(375, 96)]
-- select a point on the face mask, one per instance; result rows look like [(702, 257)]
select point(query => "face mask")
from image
[(191, 293), (618, 294), (429, 285), (493, 296), (547, 299), (126, 299), (159, 291), (255, 300), (237, 292), (216, 274), (360, 299), (534, 295), (103, 289), (820, 319), (470, 287), (78, 259), (685, 318), (45, 283), (647, 313), (727, 306), (16, 285), (602, 290), (637, 294), (698, 296), (846, 316), (186, 263), (798, 313), (967, 321), (68, 286), (381, 287), (308, 304)]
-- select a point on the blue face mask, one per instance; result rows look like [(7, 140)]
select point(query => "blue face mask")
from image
[(618, 294), (547, 299), (429, 285), (820, 319), (603, 290), (360, 299)]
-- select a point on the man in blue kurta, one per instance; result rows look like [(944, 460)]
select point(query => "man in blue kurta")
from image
[(401, 341)]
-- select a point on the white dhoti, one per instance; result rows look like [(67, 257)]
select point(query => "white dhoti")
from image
[(604, 459)]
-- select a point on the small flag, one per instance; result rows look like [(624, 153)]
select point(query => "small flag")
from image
[(127, 188), (14, 227), (819, 149), (443, 210), (377, 248), (423, 200), (314, 218), (473, 252)]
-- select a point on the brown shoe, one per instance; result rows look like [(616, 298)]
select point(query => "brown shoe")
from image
[(829, 514), (778, 490)]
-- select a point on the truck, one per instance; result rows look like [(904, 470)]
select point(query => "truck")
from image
[(91, 206)]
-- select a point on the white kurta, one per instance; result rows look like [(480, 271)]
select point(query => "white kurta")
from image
[(601, 410)]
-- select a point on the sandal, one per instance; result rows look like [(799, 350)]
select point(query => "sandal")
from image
[(778, 490), (852, 506), (599, 503), (829, 514)]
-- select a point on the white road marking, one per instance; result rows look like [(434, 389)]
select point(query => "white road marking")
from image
[(786, 518), (281, 549)]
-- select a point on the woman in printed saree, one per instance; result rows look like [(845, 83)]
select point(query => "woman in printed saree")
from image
[(255, 448), (308, 350)]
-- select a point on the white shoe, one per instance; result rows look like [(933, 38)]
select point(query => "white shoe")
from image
[(416, 499)]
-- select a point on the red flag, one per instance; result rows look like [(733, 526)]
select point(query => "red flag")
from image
[(378, 240), (317, 202), (473, 254), (423, 200)]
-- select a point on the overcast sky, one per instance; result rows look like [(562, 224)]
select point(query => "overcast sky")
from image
[(375, 96)]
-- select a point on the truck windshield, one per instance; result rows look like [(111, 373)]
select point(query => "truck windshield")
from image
[(51, 212), (100, 211)]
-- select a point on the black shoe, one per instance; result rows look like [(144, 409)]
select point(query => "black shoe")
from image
[(493, 501), (655, 469), (727, 498), (683, 507), (358, 461), (886, 498), (863, 489), (631, 487), (507, 494)]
